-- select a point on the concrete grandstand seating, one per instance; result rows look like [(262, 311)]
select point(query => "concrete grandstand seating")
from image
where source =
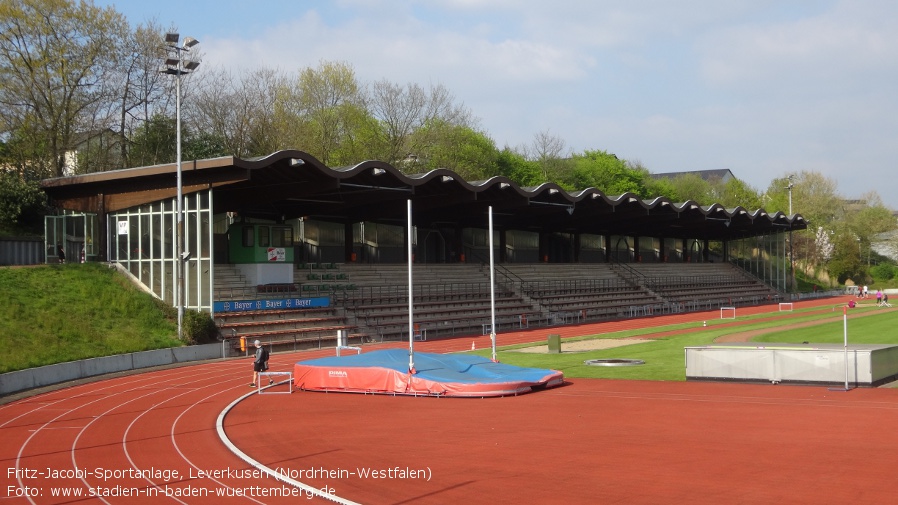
[(455, 299)]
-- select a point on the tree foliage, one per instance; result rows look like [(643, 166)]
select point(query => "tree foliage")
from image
[(605, 172), (22, 203), (54, 61), (516, 167)]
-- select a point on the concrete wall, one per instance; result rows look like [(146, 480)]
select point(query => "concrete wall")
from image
[(22, 380), (868, 365)]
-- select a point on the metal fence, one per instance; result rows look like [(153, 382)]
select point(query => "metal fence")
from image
[(22, 251)]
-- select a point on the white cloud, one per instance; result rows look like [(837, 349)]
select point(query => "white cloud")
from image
[(758, 86)]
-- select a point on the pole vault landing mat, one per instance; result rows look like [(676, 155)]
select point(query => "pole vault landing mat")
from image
[(386, 372)]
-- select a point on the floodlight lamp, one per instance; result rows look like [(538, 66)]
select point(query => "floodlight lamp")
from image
[(190, 42), (172, 62), (191, 65), (172, 38)]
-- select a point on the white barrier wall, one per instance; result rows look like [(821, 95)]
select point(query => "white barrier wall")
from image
[(868, 365), (21, 380)]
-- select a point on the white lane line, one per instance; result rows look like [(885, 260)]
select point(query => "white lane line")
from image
[(308, 490)]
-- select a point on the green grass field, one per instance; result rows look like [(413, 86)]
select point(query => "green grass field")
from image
[(57, 313), (665, 357)]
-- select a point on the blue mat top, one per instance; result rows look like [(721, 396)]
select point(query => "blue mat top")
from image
[(459, 368)]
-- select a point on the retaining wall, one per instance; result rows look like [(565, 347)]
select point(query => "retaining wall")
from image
[(21, 380)]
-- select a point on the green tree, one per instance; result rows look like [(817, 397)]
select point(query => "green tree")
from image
[(246, 114), (846, 262), (605, 172), (470, 153), (138, 88), (54, 56), (202, 146), (662, 186), (329, 103), (517, 168), (22, 204), (866, 219), (155, 143), (691, 187), (549, 152), (736, 193)]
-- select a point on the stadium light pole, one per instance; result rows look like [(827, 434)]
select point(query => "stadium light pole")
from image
[(177, 66), (791, 249)]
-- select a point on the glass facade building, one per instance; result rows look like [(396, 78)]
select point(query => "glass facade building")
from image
[(143, 240)]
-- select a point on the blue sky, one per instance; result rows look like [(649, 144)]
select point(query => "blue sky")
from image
[(762, 87)]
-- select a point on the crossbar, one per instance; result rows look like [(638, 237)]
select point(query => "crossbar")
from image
[(271, 375)]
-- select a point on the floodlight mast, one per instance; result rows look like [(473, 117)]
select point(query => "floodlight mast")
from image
[(791, 249), (177, 66)]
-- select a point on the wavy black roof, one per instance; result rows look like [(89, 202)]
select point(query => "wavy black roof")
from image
[(290, 184)]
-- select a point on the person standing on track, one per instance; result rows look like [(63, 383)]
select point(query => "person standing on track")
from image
[(260, 363)]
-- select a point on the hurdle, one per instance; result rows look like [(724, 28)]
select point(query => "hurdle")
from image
[(725, 310), (785, 306), (271, 376)]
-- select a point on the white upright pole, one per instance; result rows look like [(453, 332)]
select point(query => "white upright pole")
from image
[(411, 318), (179, 258), (492, 286), (845, 325)]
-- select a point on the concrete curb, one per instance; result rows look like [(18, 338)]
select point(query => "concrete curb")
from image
[(21, 380)]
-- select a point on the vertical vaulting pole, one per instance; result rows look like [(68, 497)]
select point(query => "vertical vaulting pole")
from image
[(411, 302), (492, 286), (845, 325)]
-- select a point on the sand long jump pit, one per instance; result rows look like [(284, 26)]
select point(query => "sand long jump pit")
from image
[(594, 344)]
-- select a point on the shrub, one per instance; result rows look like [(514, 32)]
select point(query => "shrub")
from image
[(198, 328), (883, 272)]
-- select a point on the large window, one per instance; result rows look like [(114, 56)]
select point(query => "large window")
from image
[(281, 236), (144, 240)]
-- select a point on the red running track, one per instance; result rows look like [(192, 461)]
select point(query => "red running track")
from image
[(152, 436)]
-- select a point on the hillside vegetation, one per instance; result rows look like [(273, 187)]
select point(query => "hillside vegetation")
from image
[(57, 313)]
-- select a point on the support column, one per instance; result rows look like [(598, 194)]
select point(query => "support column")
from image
[(503, 247), (103, 225), (349, 255)]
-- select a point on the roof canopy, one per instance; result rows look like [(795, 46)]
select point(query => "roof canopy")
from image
[(291, 184)]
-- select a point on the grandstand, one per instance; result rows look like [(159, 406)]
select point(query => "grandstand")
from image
[(370, 301), (289, 251)]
